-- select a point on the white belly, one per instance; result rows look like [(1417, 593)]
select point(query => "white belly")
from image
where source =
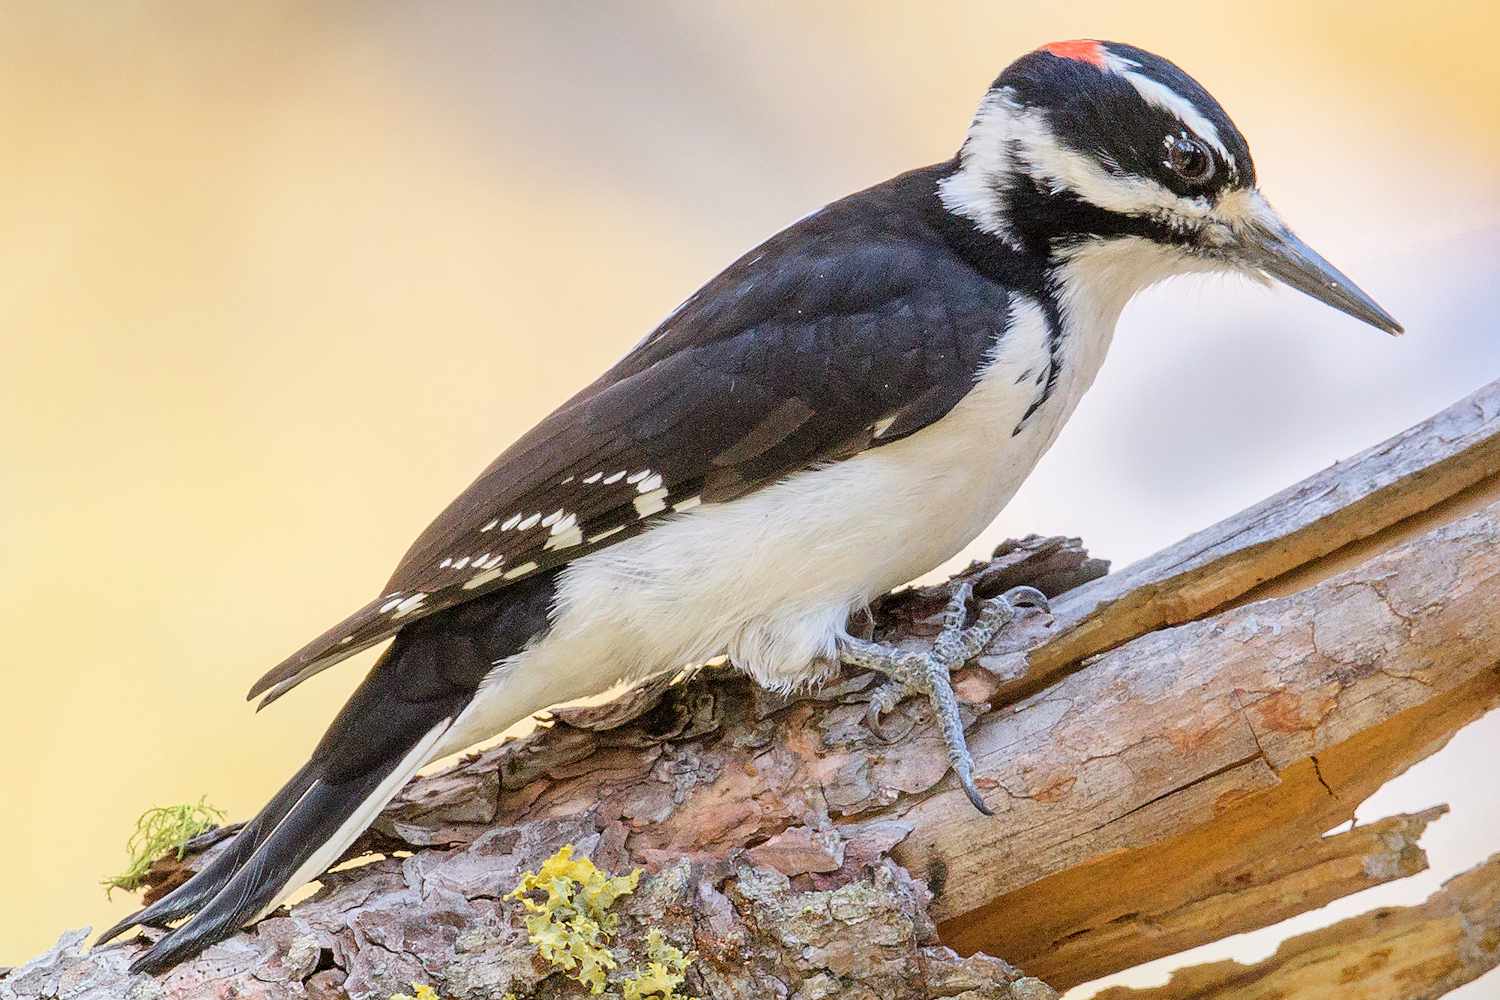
[(772, 578)]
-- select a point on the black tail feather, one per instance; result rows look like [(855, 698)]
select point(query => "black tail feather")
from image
[(256, 883), (389, 727), (195, 893)]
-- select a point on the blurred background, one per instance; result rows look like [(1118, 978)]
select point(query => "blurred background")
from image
[(280, 279)]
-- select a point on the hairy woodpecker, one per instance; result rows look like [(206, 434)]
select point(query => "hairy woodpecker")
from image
[(839, 411)]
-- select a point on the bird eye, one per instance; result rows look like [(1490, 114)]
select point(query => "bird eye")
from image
[(1188, 159)]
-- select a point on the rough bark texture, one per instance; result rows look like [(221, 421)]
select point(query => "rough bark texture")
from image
[(1164, 754)]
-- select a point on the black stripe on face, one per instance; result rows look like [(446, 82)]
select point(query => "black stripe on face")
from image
[(1100, 113)]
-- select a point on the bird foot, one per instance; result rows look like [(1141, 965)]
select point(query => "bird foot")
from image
[(928, 673)]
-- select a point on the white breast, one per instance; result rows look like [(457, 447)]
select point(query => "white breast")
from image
[(772, 578)]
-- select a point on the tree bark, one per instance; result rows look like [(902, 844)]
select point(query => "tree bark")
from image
[(1163, 753)]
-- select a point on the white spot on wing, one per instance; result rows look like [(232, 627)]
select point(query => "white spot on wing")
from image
[(591, 480), (566, 539), (391, 604), (552, 518), (529, 523), (511, 522), (636, 477), (520, 570), (490, 525), (409, 605), (651, 482), (605, 534), (614, 477), (687, 504), (651, 503), (481, 579)]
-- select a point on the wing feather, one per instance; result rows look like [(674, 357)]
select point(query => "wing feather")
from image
[(853, 328)]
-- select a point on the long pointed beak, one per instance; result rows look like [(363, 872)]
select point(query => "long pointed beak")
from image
[(1276, 250)]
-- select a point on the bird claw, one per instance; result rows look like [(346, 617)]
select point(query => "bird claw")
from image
[(882, 703), (929, 673)]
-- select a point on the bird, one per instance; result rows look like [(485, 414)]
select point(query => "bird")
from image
[(838, 412)]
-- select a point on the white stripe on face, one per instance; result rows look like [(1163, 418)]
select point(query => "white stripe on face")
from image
[(1004, 132), (1158, 94)]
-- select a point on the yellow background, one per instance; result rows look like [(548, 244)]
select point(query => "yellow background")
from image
[(277, 280)]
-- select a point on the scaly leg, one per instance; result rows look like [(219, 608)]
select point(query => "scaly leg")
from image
[(928, 673)]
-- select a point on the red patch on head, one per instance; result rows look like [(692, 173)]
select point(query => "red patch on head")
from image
[(1083, 49)]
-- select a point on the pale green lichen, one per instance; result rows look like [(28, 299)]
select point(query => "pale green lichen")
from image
[(568, 918), (158, 832), (666, 969), (424, 992)]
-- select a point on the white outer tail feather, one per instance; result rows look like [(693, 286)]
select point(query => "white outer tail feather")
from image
[(358, 821)]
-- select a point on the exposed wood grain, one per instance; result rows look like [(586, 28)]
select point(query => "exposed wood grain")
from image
[(1353, 499), (1160, 734), (1395, 953), (1112, 913)]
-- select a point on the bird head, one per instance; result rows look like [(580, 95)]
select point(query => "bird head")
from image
[(1103, 155)]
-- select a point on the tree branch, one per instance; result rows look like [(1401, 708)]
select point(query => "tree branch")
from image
[(1163, 755), (1394, 953)]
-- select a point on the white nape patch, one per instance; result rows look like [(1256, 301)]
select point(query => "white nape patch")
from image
[(391, 604), (480, 579), (984, 162), (511, 522), (651, 503), (610, 480), (686, 505), (529, 523), (357, 822), (607, 533), (651, 482), (591, 480), (409, 605), (490, 525), (565, 539), (520, 570)]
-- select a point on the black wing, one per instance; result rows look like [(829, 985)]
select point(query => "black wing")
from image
[(853, 328)]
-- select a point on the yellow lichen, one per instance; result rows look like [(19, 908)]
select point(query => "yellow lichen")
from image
[(423, 993), (158, 831), (665, 970), (571, 924)]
